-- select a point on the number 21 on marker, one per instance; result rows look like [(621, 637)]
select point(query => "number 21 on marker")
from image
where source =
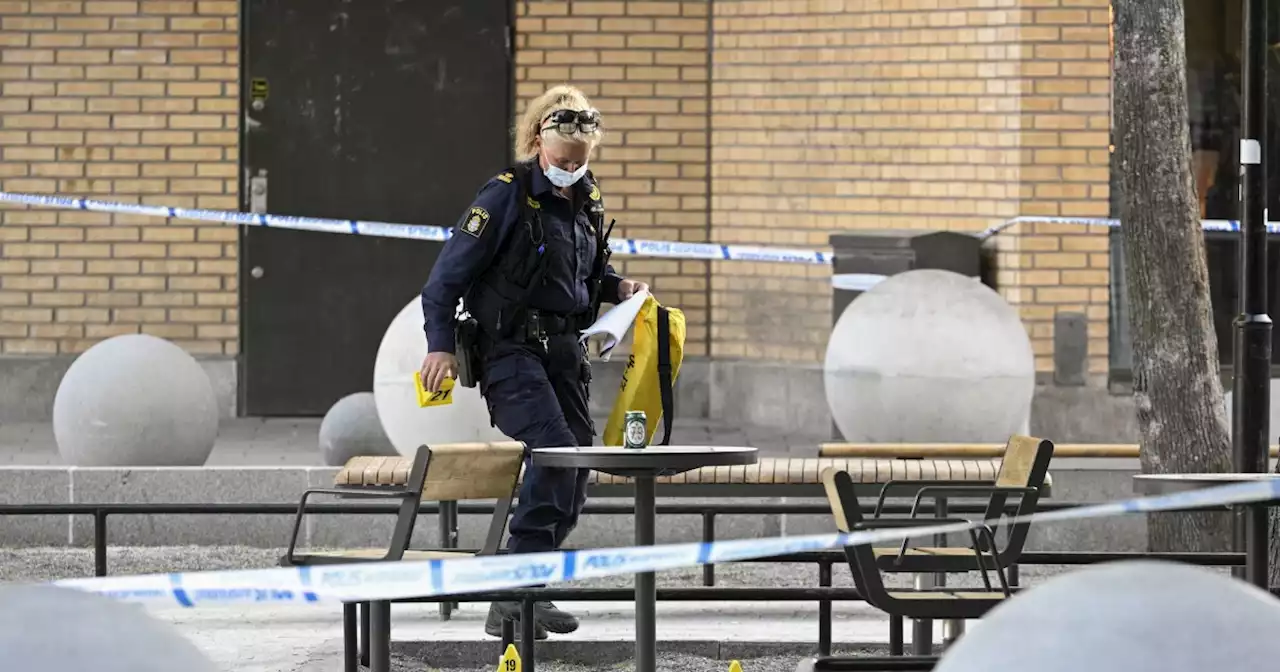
[(425, 398)]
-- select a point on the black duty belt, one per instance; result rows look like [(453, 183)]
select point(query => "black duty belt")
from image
[(539, 325)]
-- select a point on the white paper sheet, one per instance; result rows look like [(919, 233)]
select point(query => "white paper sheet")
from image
[(615, 324)]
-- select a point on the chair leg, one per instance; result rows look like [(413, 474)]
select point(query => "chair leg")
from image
[(895, 635), (350, 644), (952, 630), (364, 634), (445, 540), (380, 642), (508, 633)]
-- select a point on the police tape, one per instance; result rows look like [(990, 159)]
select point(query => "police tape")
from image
[(407, 579), (355, 227), (624, 246), (1206, 224)]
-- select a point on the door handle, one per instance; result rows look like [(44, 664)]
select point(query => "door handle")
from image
[(258, 192)]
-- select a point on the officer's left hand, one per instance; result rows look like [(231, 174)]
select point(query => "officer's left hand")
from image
[(628, 289)]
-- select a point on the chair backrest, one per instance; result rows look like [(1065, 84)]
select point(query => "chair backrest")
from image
[(847, 513), (1024, 465), (460, 471)]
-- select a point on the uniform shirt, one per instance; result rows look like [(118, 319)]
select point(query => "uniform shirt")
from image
[(570, 245)]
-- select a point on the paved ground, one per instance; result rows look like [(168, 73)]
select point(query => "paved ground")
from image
[(307, 639), (294, 441)]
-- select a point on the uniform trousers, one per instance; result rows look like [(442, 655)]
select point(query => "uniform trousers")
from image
[(542, 399)]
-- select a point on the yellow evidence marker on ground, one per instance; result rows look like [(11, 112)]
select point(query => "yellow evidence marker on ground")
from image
[(510, 660), (735, 666), (425, 398)]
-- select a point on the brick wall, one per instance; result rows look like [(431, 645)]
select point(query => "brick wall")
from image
[(831, 116), (817, 116), (132, 101), (1065, 107), (644, 64), (940, 114)]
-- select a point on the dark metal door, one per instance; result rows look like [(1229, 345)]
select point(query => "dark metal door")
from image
[(384, 110)]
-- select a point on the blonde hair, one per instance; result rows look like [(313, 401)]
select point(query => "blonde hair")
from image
[(562, 97)]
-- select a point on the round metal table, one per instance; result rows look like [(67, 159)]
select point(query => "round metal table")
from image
[(644, 465), (1256, 513)]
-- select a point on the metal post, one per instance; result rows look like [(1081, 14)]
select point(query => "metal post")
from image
[(99, 543), (824, 611), (922, 628), (350, 645), (379, 644), (446, 542), (646, 589), (708, 535), (527, 626), (1252, 352)]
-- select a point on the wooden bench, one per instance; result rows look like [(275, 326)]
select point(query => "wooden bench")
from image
[(441, 473), (802, 476), (770, 477)]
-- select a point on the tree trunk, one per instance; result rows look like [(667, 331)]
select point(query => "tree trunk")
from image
[(1176, 389)]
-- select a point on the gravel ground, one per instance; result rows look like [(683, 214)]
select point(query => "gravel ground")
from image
[(666, 663), (44, 564)]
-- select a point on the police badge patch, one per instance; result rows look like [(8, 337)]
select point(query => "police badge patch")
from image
[(475, 222)]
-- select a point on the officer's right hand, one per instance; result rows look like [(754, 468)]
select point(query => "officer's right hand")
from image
[(436, 367)]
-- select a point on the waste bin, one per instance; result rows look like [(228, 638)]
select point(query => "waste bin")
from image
[(864, 258), (861, 259)]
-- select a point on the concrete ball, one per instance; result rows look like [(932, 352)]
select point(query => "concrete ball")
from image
[(1125, 616), (135, 400), (351, 429), (59, 629), (929, 356), (407, 425)]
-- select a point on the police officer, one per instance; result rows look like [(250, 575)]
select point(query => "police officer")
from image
[(529, 260)]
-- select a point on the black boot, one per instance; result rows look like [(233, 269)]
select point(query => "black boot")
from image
[(493, 624), (546, 614)]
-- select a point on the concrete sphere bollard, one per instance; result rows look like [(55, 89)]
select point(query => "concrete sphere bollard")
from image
[(56, 629), (351, 428), (407, 425), (929, 356), (135, 400), (1126, 616)]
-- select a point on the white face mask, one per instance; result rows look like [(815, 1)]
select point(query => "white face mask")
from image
[(564, 178)]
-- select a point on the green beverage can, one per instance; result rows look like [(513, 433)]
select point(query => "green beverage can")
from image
[(634, 430)]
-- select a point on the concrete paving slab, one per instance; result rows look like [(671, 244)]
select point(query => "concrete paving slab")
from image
[(262, 639)]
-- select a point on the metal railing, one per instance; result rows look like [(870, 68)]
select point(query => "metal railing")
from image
[(824, 594)]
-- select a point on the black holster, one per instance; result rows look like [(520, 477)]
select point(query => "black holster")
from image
[(467, 349)]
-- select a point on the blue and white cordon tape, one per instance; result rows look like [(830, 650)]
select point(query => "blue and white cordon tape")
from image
[(413, 579), (623, 246)]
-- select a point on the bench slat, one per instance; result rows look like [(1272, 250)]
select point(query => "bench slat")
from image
[(394, 471)]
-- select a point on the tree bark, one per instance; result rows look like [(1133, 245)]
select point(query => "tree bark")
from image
[(1177, 392)]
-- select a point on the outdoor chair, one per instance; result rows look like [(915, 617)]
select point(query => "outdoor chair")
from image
[(1022, 473), (444, 473), (923, 604)]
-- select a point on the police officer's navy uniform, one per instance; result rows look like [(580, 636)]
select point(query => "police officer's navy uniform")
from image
[(533, 373)]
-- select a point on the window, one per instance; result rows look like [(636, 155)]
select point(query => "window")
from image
[(1214, 42)]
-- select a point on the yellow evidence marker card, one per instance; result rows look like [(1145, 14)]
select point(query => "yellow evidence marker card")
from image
[(510, 660), (425, 398)]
